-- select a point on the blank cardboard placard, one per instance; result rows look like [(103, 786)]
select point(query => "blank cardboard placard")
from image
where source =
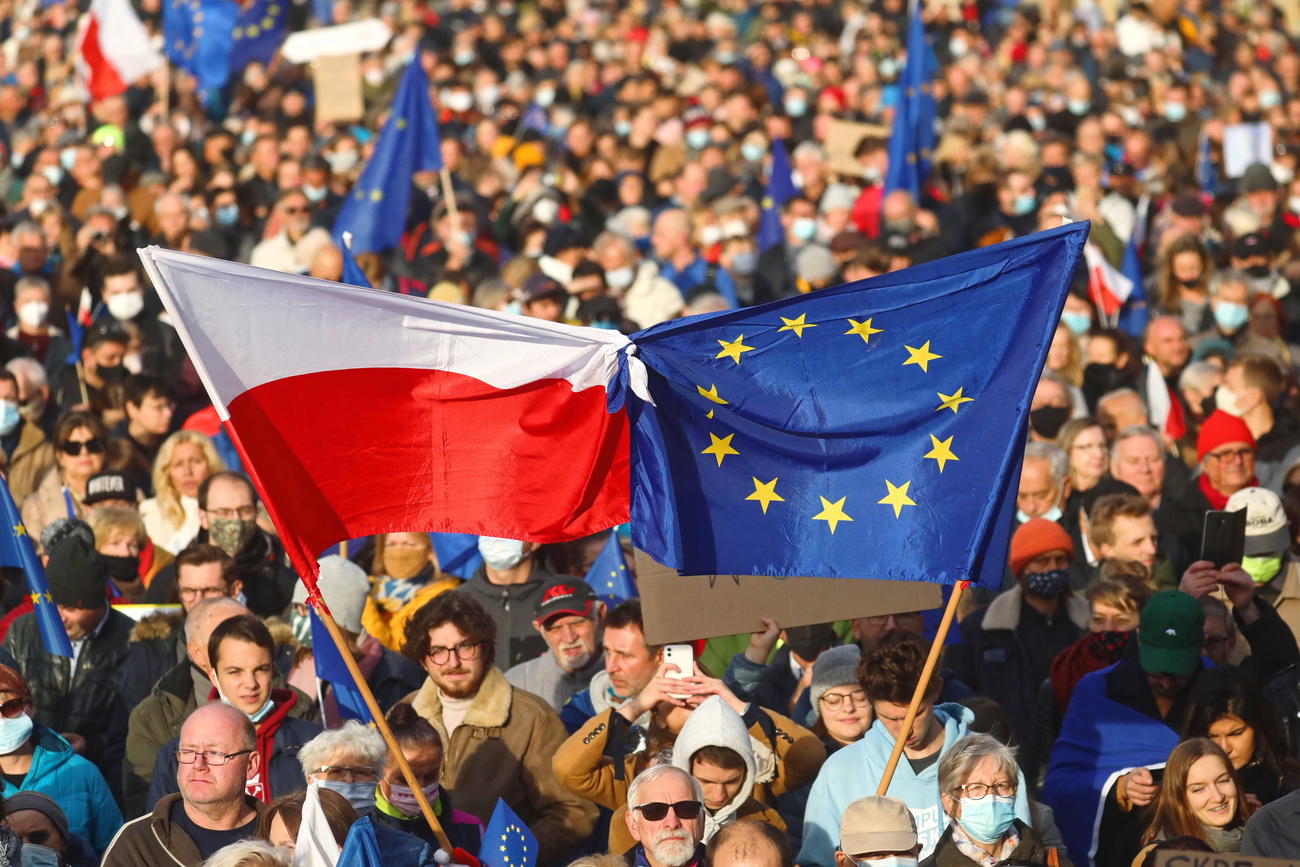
[(842, 139), (337, 81), (678, 608), (1226, 859)]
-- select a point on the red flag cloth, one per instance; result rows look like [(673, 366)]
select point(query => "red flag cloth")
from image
[(113, 49)]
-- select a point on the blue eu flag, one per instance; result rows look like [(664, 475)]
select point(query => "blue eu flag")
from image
[(872, 430), (352, 273), (198, 37), (361, 848), (457, 553), (507, 842), (331, 669), (608, 575), (258, 32), (1133, 315), (779, 190), (375, 210), (911, 140), (76, 334), (16, 551)]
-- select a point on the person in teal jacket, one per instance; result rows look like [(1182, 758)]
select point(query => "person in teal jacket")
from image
[(889, 675), (47, 764)]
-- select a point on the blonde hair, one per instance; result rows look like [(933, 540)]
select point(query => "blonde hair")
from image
[(248, 853), (104, 522), (167, 497)]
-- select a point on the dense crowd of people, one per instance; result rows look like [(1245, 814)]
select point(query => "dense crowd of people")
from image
[(607, 163)]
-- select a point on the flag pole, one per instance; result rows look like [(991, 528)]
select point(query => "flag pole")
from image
[(315, 601), (452, 211), (930, 663), (81, 380)]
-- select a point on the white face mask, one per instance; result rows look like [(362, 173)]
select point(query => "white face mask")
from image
[(32, 314), (126, 305), (500, 554), (619, 278), (133, 362), (1226, 401), (1052, 514)]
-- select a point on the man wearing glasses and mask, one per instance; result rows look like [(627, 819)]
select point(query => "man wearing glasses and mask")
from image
[(216, 758), (499, 740)]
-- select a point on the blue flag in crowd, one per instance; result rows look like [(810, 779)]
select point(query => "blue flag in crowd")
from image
[(457, 553), (361, 848), (535, 118), (911, 140), (76, 334), (331, 669), (608, 574), (375, 211), (352, 273), (1207, 173), (258, 32), (17, 552), (198, 38), (507, 842), (779, 190), (789, 439), (1133, 315)]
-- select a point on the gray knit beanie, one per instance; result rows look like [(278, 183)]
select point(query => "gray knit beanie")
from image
[(835, 667)]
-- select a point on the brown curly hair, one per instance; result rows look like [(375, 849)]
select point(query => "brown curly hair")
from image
[(463, 612), (891, 671)]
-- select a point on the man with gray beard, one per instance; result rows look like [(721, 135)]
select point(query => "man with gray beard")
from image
[(571, 620), (665, 815)]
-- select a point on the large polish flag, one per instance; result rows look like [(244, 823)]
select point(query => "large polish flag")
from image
[(359, 411), (113, 48)]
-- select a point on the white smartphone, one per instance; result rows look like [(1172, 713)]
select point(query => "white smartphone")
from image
[(682, 656)]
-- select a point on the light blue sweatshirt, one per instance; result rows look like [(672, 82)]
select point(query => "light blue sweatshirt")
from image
[(854, 772)]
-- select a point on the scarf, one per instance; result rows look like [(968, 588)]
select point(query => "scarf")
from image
[(1225, 839), (1219, 501), (1070, 665)]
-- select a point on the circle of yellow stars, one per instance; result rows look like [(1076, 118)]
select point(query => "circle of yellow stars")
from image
[(523, 846), (833, 512)]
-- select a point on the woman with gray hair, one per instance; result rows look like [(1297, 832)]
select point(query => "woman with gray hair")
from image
[(347, 760), (978, 778)]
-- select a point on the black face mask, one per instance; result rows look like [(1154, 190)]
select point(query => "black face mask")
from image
[(1259, 271), (1099, 379), (1190, 284), (1207, 406), (122, 569), (111, 375), (1047, 421)]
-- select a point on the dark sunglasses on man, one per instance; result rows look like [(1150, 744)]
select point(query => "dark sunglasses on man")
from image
[(657, 811)]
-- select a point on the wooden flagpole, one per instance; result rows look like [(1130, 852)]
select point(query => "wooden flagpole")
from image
[(930, 663)]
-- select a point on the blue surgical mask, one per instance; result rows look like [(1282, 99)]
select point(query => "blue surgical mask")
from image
[(796, 106), (1024, 204), (1175, 111), (67, 157), (514, 307), (1230, 316), (1269, 99), (360, 795), (1052, 514), (227, 215), (1077, 322), (622, 128), (1078, 106), (745, 262), (314, 194), (39, 856), (1037, 122), (544, 96), (9, 417), (988, 819), (804, 228), (463, 58), (697, 139), (752, 153), (14, 733)]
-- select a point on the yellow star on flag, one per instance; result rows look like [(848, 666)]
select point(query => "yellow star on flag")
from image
[(952, 401), (832, 513), (921, 357), (862, 329), (711, 393), (36, 599), (20, 530), (709, 414), (733, 349), (797, 325), (898, 497), (49, 597), (376, 194), (765, 493), (942, 451), (401, 123), (720, 447)]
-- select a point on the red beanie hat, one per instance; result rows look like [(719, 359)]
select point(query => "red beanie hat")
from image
[(1221, 428), (1034, 538)]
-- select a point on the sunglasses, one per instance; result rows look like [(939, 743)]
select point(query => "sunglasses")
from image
[(657, 811), (13, 708), (73, 447)]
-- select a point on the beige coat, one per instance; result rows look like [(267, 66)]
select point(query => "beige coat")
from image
[(503, 750), (32, 459), (45, 504)]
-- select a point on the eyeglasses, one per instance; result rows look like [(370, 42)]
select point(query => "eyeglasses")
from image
[(247, 513), (464, 650), (657, 811), (834, 699), (882, 619), (1232, 455), (201, 592), (344, 774), (977, 791), (294, 210), (212, 758), (94, 446), (13, 708), (1212, 642)]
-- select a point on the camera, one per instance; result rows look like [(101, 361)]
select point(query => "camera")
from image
[(99, 238)]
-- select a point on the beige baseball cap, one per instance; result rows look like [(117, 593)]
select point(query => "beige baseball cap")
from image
[(877, 824)]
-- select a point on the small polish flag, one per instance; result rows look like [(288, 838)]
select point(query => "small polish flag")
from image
[(1107, 286), (372, 412), (113, 48)]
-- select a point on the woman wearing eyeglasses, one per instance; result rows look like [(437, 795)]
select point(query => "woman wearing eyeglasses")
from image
[(44, 762), (78, 455), (978, 779), (840, 708)]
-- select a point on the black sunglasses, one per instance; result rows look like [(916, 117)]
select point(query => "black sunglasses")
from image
[(13, 708), (93, 446), (657, 811)]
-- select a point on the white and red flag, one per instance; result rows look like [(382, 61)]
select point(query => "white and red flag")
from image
[(113, 48), (382, 412), (1108, 287)]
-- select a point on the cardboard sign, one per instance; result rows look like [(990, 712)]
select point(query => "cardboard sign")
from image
[(337, 81), (678, 608), (1213, 859), (842, 139)]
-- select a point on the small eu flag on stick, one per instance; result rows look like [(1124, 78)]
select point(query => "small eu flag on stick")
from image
[(16, 551), (507, 842), (608, 575)]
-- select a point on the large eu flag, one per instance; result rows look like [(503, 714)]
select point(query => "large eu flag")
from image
[(16, 551), (375, 210), (211, 38), (911, 140), (871, 430)]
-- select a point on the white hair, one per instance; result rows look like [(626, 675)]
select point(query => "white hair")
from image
[(966, 753), (1134, 431), (654, 772), (248, 853), (1198, 375), (31, 370), (1056, 459), (1228, 277), (809, 149), (351, 738)]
